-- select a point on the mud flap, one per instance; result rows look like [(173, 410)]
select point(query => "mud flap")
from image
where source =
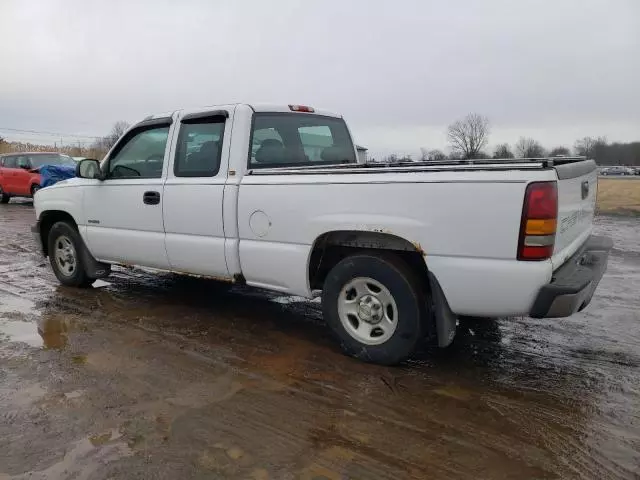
[(445, 319), (92, 267)]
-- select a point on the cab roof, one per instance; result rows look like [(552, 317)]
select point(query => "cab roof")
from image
[(256, 107), (265, 107)]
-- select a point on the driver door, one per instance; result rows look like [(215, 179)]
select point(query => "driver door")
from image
[(124, 211)]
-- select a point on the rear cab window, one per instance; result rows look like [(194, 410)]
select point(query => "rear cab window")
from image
[(299, 139)]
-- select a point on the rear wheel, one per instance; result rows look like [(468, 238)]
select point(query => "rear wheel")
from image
[(34, 188), (65, 246), (4, 197), (376, 307)]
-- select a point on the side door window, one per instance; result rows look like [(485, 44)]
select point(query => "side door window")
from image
[(199, 148), (23, 162), (10, 162), (140, 155)]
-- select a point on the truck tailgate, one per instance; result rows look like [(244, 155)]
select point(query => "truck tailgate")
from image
[(577, 190)]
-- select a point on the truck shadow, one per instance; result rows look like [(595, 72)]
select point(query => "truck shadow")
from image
[(244, 320)]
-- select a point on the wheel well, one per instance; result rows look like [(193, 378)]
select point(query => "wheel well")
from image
[(47, 220), (330, 248)]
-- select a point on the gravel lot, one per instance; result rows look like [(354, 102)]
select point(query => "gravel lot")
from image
[(163, 377)]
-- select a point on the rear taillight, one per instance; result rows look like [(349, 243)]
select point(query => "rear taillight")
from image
[(539, 221)]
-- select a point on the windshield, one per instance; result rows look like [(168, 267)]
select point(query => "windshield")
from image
[(51, 159)]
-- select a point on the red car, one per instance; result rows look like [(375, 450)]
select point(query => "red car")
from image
[(19, 175)]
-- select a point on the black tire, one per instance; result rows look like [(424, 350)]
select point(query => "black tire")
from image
[(34, 188), (406, 291), (4, 198), (76, 277)]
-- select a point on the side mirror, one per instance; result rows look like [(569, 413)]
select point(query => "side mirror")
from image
[(89, 168), (25, 166)]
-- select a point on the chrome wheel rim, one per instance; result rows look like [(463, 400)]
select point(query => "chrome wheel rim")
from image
[(368, 311), (65, 256)]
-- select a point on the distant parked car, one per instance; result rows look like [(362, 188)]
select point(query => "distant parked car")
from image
[(20, 172), (618, 171)]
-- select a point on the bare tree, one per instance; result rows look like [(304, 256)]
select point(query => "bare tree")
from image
[(469, 136), (436, 155), (432, 155), (559, 152), (118, 129), (529, 148), (503, 151), (587, 146)]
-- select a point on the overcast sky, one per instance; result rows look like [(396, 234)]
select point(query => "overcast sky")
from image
[(399, 71)]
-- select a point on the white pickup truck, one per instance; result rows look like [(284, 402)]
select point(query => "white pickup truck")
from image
[(273, 196)]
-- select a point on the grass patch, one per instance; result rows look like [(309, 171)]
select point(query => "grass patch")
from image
[(619, 196)]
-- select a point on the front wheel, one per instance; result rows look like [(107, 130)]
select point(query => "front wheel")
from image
[(376, 307), (34, 188), (65, 246)]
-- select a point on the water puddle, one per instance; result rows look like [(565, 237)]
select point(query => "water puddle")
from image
[(16, 325), (18, 331), (12, 304), (47, 331), (54, 330)]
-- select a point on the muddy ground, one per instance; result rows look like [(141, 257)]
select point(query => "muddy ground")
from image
[(161, 377)]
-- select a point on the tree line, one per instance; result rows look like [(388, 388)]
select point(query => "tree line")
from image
[(468, 138), (96, 149)]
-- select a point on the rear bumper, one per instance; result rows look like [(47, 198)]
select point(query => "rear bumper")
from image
[(573, 284)]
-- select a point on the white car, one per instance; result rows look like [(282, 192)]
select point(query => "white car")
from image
[(273, 197)]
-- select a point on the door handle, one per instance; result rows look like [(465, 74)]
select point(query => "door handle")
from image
[(151, 198)]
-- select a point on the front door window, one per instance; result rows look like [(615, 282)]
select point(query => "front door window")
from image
[(141, 155)]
